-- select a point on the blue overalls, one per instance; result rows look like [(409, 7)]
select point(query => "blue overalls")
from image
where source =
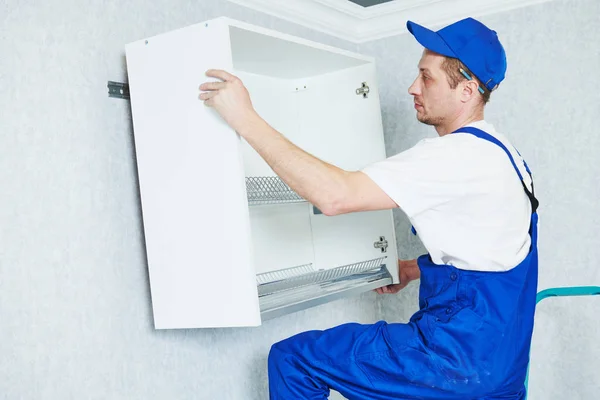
[(470, 339)]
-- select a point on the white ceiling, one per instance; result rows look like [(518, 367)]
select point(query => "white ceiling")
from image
[(358, 24)]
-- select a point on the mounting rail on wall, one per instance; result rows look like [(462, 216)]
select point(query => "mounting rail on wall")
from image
[(118, 89), (121, 90)]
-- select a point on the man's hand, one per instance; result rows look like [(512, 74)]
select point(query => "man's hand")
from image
[(408, 271), (230, 99)]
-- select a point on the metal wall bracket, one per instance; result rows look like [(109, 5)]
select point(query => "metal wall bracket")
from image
[(118, 90)]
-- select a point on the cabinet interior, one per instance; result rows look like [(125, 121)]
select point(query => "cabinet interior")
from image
[(309, 95), (261, 54)]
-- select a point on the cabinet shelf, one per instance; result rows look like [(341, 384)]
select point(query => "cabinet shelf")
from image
[(270, 190), (298, 288)]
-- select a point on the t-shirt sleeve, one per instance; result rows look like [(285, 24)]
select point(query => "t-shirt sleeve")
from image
[(426, 176)]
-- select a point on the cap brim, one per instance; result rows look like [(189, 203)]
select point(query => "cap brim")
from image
[(429, 39)]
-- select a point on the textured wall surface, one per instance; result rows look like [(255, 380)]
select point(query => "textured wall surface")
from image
[(548, 106), (75, 314)]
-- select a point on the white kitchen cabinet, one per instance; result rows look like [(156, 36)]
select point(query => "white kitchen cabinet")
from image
[(228, 243)]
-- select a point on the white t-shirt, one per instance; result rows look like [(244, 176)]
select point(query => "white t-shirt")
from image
[(463, 197)]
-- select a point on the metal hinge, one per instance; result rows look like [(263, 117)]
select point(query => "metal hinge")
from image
[(118, 89), (381, 244), (363, 90)]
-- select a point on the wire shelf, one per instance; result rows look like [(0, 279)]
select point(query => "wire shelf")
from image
[(269, 277), (287, 301), (298, 277), (270, 190)]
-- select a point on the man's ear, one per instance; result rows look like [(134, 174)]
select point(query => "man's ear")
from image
[(469, 91)]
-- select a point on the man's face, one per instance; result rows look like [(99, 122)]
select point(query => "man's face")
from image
[(434, 100)]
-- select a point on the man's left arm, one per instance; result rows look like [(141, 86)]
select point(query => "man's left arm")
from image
[(331, 189)]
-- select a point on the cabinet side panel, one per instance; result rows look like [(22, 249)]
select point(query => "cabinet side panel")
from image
[(192, 189)]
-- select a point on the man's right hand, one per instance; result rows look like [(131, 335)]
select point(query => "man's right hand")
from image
[(408, 270)]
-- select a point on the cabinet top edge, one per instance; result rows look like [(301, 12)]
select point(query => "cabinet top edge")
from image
[(227, 21)]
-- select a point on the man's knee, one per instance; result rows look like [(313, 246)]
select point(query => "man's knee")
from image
[(295, 350), (284, 362), (273, 361), (298, 343), (281, 350), (275, 354)]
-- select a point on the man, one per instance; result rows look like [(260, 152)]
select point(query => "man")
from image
[(470, 197)]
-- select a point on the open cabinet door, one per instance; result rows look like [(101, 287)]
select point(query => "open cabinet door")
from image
[(192, 186), (350, 135)]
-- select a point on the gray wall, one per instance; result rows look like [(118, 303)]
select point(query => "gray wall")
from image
[(75, 314), (549, 106)]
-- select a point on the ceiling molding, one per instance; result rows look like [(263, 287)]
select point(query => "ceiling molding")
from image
[(354, 23)]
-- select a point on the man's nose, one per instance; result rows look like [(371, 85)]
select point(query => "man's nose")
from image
[(414, 89)]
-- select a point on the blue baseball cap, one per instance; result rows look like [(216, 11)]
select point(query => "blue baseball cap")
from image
[(470, 41)]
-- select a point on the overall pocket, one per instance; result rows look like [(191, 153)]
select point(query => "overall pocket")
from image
[(466, 344)]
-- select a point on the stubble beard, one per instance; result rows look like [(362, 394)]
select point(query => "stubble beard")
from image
[(429, 120)]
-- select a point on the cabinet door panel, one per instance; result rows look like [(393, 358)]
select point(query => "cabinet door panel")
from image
[(350, 238), (336, 124), (191, 177), (345, 129)]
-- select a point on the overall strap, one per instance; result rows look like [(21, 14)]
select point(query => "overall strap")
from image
[(486, 136)]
